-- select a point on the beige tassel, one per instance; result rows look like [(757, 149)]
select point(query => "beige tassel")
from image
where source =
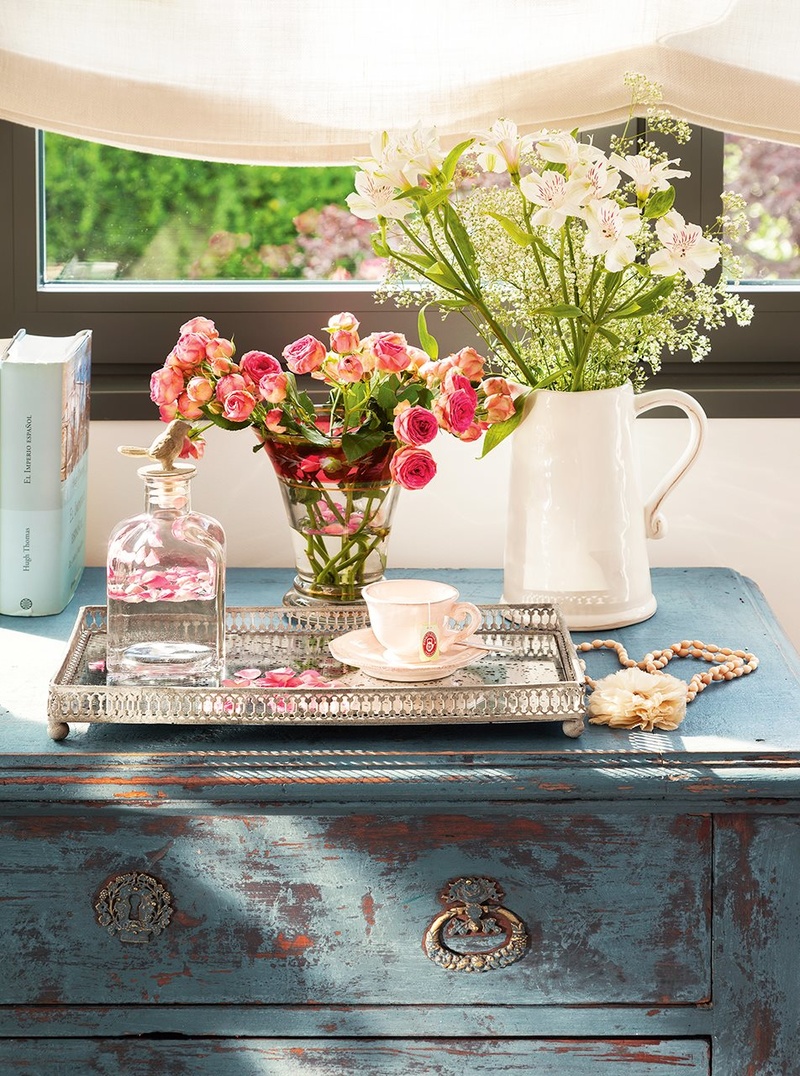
[(632, 699)]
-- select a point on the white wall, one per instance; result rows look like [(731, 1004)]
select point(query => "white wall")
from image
[(737, 508)]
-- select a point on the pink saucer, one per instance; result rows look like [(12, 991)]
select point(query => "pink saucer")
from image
[(362, 650)]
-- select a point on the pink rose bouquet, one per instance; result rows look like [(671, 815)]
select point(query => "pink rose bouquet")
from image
[(338, 461)]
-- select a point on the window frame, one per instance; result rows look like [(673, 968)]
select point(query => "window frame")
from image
[(135, 325)]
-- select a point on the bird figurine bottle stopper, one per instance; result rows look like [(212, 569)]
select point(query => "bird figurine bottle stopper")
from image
[(165, 448)]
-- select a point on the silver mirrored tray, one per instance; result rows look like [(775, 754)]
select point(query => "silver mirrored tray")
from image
[(529, 671)]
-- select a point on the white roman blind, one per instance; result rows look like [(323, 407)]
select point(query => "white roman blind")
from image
[(309, 81)]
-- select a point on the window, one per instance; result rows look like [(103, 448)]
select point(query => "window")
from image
[(135, 317), (767, 176), (142, 217)]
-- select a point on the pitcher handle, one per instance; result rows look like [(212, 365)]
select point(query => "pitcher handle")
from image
[(654, 522)]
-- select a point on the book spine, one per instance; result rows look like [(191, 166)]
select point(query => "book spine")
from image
[(42, 499)]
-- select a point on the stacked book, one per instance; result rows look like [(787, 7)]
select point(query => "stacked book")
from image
[(44, 439)]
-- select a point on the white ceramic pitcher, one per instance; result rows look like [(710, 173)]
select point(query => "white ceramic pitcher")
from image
[(577, 522)]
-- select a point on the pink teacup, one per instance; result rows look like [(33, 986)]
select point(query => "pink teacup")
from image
[(411, 618)]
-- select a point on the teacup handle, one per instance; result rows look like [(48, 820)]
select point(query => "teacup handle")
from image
[(654, 522), (458, 612)]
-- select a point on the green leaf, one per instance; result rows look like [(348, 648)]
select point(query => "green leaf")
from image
[(358, 444), (451, 160), (560, 310), (460, 236), (306, 404), (434, 199), (312, 434), (428, 343), (385, 396), (451, 304), (444, 276), (612, 338), (425, 198), (225, 423), (521, 238), (647, 303), (422, 261), (545, 249), (500, 430), (659, 203), (379, 245), (610, 282)]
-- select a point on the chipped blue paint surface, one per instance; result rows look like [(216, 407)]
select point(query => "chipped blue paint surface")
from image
[(656, 874)]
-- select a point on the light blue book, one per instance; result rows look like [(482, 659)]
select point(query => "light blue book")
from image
[(44, 440)]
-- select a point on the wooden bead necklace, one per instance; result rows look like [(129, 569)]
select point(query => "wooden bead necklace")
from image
[(728, 664)]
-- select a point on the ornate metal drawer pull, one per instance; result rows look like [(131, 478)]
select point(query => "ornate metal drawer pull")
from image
[(136, 906), (473, 910)]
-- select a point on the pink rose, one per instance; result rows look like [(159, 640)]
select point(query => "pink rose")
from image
[(470, 363), (454, 380), (430, 372), (495, 386), (304, 355), (416, 426), (412, 468), (273, 387), (344, 342), (473, 432), (344, 322), (349, 368), (258, 364), (456, 410), (200, 390), (237, 402), (238, 405), (201, 326), (498, 408), (190, 350), (418, 358), (220, 348), (390, 351), (228, 384), (272, 421), (166, 385), (188, 408), (192, 449), (221, 366)]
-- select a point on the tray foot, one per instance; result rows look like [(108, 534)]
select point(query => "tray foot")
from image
[(59, 730), (574, 727)]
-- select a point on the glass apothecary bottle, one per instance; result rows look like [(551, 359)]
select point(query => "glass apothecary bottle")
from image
[(166, 586)]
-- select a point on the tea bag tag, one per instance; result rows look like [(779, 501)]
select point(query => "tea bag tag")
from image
[(428, 642)]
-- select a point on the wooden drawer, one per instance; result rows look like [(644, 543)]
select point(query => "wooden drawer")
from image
[(332, 908), (306, 1057)]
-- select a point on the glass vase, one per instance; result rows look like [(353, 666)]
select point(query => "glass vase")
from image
[(340, 515), (166, 589)]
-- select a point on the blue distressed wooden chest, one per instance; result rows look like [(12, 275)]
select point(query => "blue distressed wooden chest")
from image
[(275, 902)]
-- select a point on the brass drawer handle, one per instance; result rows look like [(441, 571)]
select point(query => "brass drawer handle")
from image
[(473, 910), (135, 906)]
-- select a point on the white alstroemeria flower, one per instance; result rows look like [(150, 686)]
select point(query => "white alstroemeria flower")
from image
[(402, 158), (561, 148), (646, 176), (499, 149), (559, 197), (375, 197), (423, 151), (685, 247), (600, 177), (609, 227)]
